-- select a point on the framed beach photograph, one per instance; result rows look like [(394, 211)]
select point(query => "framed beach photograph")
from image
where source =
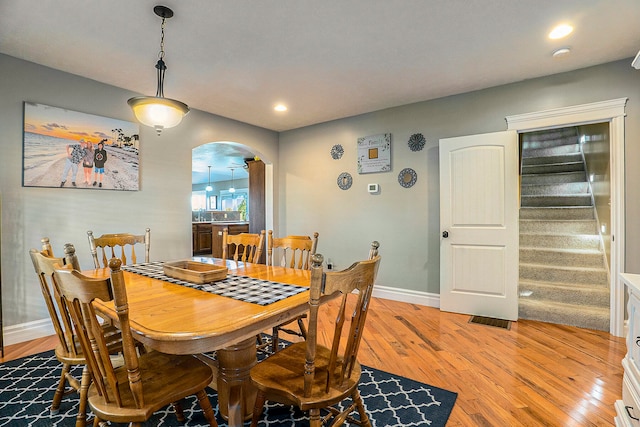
[(69, 149)]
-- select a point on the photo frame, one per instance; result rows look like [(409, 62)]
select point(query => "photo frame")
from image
[(374, 153), (69, 149)]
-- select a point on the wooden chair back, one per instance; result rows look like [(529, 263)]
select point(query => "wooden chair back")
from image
[(117, 392), (120, 245), (245, 247), (44, 263), (291, 251), (359, 277), (79, 293)]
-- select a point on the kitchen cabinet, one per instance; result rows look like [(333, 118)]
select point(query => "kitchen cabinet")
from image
[(207, 236), (234, 228), (202, 239)]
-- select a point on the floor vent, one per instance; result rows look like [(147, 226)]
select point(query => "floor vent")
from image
[(490, 321)]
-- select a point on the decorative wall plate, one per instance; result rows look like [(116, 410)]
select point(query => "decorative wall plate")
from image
[(345, 180), (407, 177), (416, 142), (337, 151)]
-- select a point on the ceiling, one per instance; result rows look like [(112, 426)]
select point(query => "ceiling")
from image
[(324, 59)]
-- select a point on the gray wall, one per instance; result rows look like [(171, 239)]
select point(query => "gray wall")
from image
[(406, 221), (163, 202)]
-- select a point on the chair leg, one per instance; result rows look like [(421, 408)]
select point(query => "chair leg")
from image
[(364, 419), (258, 407), (207, 409), (57, 397), (275, 339), (177, 408), (314, 418), (303, 329), (85, 381)]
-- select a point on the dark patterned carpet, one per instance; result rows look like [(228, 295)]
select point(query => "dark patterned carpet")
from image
[(27, 386)]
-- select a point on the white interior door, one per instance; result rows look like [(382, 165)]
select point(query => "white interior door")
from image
[(479, 225)]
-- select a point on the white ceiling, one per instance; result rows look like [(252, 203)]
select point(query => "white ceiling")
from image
[(325, 59)]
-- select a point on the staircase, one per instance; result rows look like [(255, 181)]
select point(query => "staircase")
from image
[(563, 275)]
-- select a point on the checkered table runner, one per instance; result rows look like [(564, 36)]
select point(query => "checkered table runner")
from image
[(243, 288)]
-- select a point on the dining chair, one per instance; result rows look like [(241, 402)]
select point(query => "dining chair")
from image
[(130, 393), (68, 351), (292, 252), (314, 377), (120, 245), (245, 247)]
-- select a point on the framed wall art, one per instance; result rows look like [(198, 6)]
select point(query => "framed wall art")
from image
[(70, 149), (374, 153)]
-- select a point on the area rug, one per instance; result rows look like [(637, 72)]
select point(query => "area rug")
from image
[(27, 386)]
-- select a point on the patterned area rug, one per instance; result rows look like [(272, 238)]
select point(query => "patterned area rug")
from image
[(27, 386)]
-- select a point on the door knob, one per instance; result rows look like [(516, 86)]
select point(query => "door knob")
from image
[(445, 234)]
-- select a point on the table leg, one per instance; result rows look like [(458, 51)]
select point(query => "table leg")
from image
[(236, 395)]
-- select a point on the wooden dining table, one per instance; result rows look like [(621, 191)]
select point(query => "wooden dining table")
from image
[(177, 319)]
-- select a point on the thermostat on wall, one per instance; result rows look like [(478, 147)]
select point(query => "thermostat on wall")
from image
[(372, 188)]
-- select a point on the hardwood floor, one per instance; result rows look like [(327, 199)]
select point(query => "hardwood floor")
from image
[(535, 374)]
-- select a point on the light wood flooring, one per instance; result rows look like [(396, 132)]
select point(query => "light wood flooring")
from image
[(535, 374)]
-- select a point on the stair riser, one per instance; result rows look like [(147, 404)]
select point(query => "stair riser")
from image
[(558, 227), (597, 297), (561, 259), (572, 188), (550, 201), (558, 150), (548, 160), (589, 321), (553, 168), (546, 214), (586, 241), (555, 274), (554, 178), (533, 142)]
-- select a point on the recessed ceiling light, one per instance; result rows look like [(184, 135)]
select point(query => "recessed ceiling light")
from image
[(560, 31), (561, 52), (280, 107)]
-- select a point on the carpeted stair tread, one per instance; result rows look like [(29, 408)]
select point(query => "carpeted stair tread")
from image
[(563, 274), (553, 159), (586, 258), (588, 295), (557, 150), (554, 178), (559, 241), (555, 189), (580, 226), (566, 314), (553, 167), (539, 200), (560, 213)]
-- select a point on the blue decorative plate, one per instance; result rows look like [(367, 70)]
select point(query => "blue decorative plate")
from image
[(345, 180), (416, 142), (407, 177), (337, 151)]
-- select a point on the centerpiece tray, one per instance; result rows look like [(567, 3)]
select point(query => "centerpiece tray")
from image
[(194, 272)]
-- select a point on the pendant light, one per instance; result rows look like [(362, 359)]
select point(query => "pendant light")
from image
[(209, 187), (157, 111), (232, 189)]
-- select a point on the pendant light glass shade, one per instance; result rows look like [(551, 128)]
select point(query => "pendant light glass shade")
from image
[(157, 111)]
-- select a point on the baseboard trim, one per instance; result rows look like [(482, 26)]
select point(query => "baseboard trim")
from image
[(27, 331), (407, 295), (43, 328)]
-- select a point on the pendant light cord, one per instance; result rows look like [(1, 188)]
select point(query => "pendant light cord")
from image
[(160, 65)]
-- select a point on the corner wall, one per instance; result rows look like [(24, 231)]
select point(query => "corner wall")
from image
[(406, 221), (64, 215)]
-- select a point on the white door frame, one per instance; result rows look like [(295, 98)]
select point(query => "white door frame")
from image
[(611, 111)]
